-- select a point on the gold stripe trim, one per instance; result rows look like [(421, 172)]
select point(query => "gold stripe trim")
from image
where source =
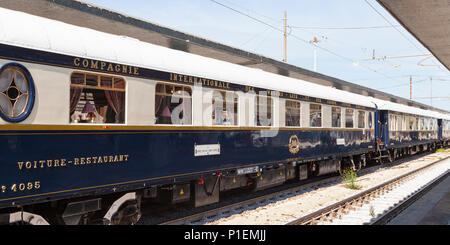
[(135, 181), (7, 127), (22, 127)]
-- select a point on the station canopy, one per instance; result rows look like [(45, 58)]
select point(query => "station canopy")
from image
[(427, 21), (97, 18)]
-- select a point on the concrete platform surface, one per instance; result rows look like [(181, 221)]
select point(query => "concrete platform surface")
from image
[(431, 209)]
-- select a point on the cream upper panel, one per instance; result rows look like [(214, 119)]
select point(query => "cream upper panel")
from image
[(49, 35), (52, 93), (140, 101), (54, 36)]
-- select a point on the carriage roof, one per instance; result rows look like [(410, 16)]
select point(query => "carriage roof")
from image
[(58, 37)]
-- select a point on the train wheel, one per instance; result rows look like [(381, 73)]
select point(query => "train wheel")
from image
[(128, 214), (391, 156), (341, 167), (25, 218), (379, 157), (124, 211), (356, 163)]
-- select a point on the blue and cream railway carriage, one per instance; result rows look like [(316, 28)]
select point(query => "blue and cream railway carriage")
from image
[(90, 119)]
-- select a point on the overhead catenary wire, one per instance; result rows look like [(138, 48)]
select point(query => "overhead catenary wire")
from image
[(298, 38), (403, 84), (415, 82), (402, 76), (401, 33), (250, 10), (341, 28)]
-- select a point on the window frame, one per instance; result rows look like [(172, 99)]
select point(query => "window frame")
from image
[(363, 119), (321, 115), (256, 110), (235, 103), (340, 116), (352, 117), (98, 81), (192, 104), (99, 87), (299, 112)]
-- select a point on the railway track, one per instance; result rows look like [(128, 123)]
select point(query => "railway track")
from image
[(240, 206), (378, 205), (237, 207)]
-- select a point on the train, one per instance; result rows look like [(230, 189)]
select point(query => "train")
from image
[(93, 125)]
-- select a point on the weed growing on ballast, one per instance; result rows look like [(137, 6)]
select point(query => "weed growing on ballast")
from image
[(372, 211), (349, 176)]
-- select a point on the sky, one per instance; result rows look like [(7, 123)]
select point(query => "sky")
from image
[(348, 33)]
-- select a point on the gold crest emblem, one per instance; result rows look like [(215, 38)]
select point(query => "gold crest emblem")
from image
[(294, 144)]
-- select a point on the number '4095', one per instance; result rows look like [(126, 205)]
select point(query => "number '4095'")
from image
[(22, 186)]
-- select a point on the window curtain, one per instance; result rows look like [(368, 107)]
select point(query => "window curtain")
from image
[(75, 94), (116, 101), (159, 97)]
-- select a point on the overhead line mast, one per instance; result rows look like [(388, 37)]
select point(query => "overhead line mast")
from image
[(285, 38)]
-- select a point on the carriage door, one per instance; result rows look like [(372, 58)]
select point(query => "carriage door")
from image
[(439, 122), (383, 125)]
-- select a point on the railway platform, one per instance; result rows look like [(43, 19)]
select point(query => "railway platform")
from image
[(433, 208)]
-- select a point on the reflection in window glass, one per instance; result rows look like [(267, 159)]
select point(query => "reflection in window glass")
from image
[(315, 115), (164, 107), (399, 123), (349, 118), (361, 119), (292, 113), (221, 113), (411, 123), (336, 117), (106, 82), (92, 80), (422, 124), (427, 124), (263, 118), (94, 100), (370, 119)]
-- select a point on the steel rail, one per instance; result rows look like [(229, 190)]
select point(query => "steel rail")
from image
[(392, 213), (357, 199), (234, 206), (252, 201)]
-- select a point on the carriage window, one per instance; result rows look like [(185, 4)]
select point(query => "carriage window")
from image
[(315, 115), (406, 123), (292, 113), (361, 119), (336, 117), (263, 118), (91, 102), (223, 114), (421, 124), (399, 123), (171, 99), (392, 122), (412, 125), (349, 118)]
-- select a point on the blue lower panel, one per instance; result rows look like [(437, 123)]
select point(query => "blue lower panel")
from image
[(403, 139), (54, 163)]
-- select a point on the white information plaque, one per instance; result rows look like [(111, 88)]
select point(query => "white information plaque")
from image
[(206, 150)]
